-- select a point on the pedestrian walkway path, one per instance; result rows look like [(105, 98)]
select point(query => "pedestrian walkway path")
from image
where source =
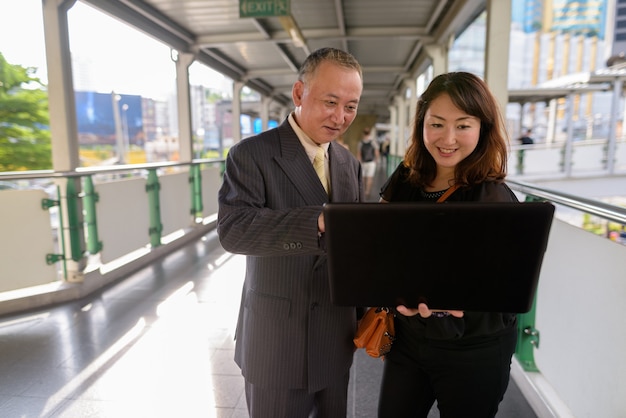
[(158, 344), (379, 180)]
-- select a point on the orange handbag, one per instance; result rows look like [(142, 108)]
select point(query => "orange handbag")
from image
[(376, 332)]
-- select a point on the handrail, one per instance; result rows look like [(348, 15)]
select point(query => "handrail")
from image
[(528, 335), (77, 208), (86, 171), (595, 207), (591, 206)]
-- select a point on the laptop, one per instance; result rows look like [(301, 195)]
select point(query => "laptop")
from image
[(470, 256)]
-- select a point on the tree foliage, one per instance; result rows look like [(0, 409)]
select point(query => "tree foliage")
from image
[(24, 120)]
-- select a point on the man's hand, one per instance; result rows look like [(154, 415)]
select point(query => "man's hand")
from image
[(321, 227)]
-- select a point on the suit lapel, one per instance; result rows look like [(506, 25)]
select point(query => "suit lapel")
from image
[(294, 161), (338, 180)]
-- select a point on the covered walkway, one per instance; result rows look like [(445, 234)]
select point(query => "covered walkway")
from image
[(154, 337)]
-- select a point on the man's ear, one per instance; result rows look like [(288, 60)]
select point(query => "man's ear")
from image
[(296, 92)]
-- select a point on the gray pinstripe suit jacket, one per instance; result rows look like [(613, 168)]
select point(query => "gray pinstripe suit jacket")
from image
[(288, 334)]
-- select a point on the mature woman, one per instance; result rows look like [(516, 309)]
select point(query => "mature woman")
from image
[(459, 359)]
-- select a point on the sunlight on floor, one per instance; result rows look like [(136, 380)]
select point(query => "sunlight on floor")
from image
[(166, 365)]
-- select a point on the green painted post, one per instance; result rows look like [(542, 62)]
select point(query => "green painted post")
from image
[(520, 162), (527, 334), (91, 197), (153, 188), (52, 258), (195, 178), (75, 226), (392, 163), (527, 340)]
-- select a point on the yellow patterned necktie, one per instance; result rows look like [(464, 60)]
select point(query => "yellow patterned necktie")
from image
[(318, 164)]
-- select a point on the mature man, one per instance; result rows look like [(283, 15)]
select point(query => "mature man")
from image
[(294, 347)]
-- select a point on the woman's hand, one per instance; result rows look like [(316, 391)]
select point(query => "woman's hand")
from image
[(425, 312)]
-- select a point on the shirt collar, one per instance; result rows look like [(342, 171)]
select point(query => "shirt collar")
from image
[(309, 145)]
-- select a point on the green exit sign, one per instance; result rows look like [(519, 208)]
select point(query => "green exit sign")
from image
[(264, 8)]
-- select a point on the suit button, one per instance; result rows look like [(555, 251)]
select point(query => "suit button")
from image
[(292, 245), (286, 246), (299, 245)]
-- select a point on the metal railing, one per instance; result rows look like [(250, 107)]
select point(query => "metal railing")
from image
[(78, 216), (565, 290)]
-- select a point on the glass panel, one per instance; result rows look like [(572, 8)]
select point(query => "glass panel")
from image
[(24, 135), (250, 111), (125, 83), (21, 35), (211, 105), (468, 50)]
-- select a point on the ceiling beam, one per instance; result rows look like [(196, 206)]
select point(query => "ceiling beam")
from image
[(211, 41)]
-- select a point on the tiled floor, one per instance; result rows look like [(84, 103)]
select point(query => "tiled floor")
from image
[(158, 344)]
